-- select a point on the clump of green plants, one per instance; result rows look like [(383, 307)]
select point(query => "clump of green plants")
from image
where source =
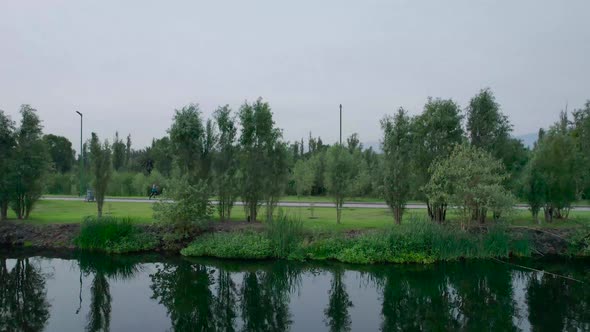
[(284, 233), (185, 206), (418, 242), (246, 245), (113, 235)]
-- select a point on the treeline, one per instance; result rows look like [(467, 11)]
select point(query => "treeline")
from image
[(447, 156)]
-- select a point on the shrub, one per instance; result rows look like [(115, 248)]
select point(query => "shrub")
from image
[(246, 245), (185, 205), (115, 235)]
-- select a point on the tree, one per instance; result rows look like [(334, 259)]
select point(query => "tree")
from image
[(7, 147), (61, 152), (191, 143), (303, 176), (487, 127), (100, 160), (340, 176), (436, 131), (581, 134), (258, 141), (31, 163), (470, 179), (396, 165), (119, 153), (555, 159), (337, 315), (128, 151), (277, 176), (225, 163), (162, 155)]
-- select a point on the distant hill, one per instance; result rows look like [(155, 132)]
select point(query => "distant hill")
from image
[(528, 140)]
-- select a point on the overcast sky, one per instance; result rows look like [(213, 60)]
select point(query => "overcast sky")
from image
[(128, 64)]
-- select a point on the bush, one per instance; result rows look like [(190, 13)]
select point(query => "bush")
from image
[(185, 206), (113, 235), (246, 245)]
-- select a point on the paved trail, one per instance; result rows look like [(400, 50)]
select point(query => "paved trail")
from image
[(288, 204)]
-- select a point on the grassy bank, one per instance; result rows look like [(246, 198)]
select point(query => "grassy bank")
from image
[(418, 242)]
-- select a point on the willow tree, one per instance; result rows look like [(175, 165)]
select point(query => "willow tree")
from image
[(436, 131), (396, 165), (100, 163), (259, 148)]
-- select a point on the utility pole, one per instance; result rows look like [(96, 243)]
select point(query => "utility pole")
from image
[(340, 124), (81, 156)]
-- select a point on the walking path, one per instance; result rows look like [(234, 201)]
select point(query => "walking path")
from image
[(289, 204)]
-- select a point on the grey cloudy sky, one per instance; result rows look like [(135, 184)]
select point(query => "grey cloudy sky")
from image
[(128, 64)]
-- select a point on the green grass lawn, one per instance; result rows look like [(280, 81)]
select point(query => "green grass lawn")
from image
[(47, 212)]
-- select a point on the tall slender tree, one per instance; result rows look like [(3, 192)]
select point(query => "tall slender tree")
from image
[(396, 166), (257, 143), (225, 164), (100, 160), (118, 153)]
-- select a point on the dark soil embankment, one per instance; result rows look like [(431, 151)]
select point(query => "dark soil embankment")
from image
[(61, 236)]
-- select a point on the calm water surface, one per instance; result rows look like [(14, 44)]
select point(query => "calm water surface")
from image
[(77, 292)]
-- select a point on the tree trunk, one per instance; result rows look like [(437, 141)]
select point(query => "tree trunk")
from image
[(99, 207), (3, 210), (397, 214)]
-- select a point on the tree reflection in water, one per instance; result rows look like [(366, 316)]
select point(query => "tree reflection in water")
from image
[(104, 267), (337, 316), (23, 302)]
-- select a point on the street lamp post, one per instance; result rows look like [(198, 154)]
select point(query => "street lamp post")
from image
[(340, 124), (81, 156)]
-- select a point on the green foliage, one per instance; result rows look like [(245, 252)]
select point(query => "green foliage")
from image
[(554, 168), (396, 166), (185, 205), (470, 179), (192, 143), (435, 133), (61, 152), (114, 235), (246, 245), (100, 160), (7, 150), (31, 163), (284, 233), (261, 155), (340, 176), (304, 177), (118, 153), (225, 163), (418, 242)]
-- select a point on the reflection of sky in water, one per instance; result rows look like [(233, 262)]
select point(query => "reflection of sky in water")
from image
[(308, 299)]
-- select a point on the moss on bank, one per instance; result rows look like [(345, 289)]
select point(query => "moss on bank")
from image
[(419, 243)]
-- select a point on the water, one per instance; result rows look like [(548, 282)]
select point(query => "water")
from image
[(75, 292)]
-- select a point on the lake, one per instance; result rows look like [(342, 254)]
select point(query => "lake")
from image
[(69, 291)]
